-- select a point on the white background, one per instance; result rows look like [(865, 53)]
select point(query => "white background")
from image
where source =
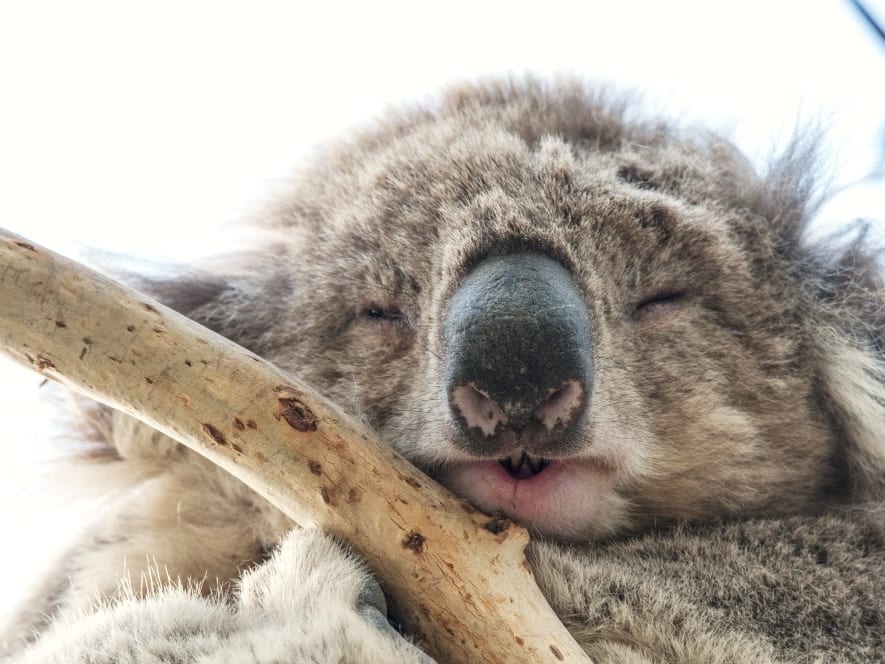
[(142, 127)]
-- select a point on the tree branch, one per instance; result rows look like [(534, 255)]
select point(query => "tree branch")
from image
[(456, 578)]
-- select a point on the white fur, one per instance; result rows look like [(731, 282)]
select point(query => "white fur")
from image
[(855, 380), (303, 605)]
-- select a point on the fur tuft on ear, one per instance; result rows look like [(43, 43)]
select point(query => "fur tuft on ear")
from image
[(854, 381), (219, 292), (790, 191), (850, 340)]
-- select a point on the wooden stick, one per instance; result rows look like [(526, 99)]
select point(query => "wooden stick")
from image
[(456, 578)]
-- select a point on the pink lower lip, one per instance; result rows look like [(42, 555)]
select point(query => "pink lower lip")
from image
[(499, 479), (496, 487), (565, 498)]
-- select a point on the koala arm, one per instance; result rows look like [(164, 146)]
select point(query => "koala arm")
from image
[(756, 592), (312, 601), (749, 592)]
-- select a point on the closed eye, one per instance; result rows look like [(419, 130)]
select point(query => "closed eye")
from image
[(380, 314), (387, 323), (659, 304)]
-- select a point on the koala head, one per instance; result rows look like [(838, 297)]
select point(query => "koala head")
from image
[(590, 323)]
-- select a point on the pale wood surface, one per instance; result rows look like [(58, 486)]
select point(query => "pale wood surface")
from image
[(454, 582)]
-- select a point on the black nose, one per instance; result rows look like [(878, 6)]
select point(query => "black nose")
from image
[(518, 363)]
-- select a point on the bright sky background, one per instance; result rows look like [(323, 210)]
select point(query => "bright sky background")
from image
[(142, 127)]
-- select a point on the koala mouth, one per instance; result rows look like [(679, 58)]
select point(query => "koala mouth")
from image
[(522, 465)]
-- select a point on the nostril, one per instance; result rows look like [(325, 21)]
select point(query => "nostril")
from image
[(561, 405), (478, 409)]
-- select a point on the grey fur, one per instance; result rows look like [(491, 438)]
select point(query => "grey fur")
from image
[(739, 379)]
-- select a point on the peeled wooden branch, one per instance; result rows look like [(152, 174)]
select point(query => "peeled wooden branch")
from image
[(456, 578)]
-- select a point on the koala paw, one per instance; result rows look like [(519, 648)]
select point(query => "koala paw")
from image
[(311, 602), (330, 599)]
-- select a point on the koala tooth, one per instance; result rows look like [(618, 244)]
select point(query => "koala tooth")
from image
[(514, 461), (537, 464), (522, 465)]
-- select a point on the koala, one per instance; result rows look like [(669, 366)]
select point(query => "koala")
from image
[(608, 328)]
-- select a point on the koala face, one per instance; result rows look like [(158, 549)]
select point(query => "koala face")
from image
[(589, 325)]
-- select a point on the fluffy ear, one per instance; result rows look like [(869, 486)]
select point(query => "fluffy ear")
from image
[(841, 281), (854, 381), (789, 193), (850, 340), (240, 296)]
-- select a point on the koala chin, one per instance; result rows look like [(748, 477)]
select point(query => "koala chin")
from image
[(607, 327)]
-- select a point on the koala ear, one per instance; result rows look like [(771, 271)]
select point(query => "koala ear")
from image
[(854, 382), (239, 296), (184, 289), (789, 194), (850, 340)]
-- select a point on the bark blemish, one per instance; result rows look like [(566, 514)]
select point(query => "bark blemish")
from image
[(556, 652), (26, 245), (414, 541), (148, 307), (297, 415), (60, 323), (354, 496), (411, 481), (238, 423), (215, 434), (315, 467), (44, 363), (497, 524)]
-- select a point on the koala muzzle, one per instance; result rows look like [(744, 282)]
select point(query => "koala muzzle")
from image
[(518, 368)]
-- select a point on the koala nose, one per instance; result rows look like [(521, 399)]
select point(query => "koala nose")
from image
[(518, 368)]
